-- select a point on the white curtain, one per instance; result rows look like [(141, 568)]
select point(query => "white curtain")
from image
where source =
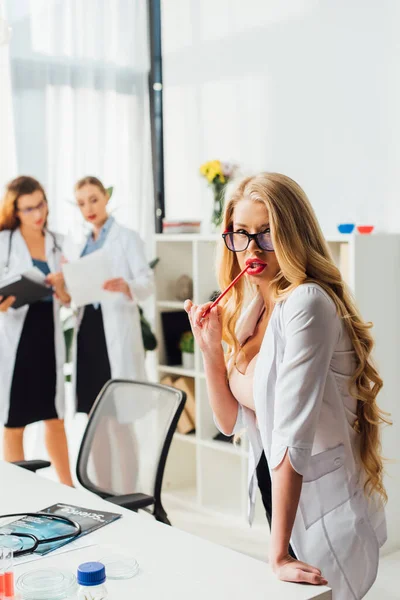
[(79, 81), (80, 72), (8, 161)]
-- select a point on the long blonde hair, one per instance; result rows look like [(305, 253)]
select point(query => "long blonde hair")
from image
[(90, 180), (303, 256)]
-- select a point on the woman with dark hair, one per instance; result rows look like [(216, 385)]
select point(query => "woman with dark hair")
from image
[(32, 349)]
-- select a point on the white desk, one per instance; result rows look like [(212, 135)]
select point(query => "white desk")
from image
[(174, 565)]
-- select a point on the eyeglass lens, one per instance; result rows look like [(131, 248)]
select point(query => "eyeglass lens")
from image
[(30, 209), (237, 242)]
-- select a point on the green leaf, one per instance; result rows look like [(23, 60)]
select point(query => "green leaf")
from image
[(110, 191), (154, 262), (186, 343), (68, 337)]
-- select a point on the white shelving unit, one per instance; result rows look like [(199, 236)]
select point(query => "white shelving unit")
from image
[(211, 475)]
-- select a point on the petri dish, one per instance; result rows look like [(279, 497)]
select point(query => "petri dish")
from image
[(12, 542), (47, 584), (119, 566)]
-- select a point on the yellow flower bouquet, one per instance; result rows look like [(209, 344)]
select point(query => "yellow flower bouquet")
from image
[(218, 174)]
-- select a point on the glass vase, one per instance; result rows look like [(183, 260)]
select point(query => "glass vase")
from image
[(218, 206)]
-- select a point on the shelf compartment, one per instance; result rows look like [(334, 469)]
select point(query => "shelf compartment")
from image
[(176, 370), (171, 304), (220, 482), (187, 438), (181, 468), (227, 447), (175, 260)]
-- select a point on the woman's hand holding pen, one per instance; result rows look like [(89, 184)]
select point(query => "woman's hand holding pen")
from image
[(206, 320), (118, 285), (208, 331), (6, 303)]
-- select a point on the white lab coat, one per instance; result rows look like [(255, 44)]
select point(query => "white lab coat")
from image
[(120, 314), (303, 406), (12, 321)]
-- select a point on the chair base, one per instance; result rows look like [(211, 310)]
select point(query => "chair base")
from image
[(161, 516)]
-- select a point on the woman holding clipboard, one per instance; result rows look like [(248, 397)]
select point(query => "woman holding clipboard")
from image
[(32, 349)]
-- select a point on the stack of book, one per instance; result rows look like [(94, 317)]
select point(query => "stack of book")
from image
[(181, 226), (187, 421)]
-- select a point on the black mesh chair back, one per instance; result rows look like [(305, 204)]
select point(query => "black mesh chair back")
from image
[(126, 442)]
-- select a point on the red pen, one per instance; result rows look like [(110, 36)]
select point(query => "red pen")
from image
[(205, 313)]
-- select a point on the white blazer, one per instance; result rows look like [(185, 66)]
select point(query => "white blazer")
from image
[(304, 407), (120, 315), (12, 321)]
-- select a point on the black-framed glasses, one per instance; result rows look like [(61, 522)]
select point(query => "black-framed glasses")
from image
[(238, 241), (29, 210)]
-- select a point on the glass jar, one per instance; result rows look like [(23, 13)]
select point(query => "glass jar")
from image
[(91, 577)]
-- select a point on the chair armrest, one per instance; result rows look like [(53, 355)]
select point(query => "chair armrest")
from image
[(132, 501), (32, 465)]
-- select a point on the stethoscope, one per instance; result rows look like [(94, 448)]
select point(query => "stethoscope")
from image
[(6, 268), (20, 538)]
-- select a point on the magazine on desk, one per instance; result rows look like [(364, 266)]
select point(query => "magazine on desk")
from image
[(42, 528)]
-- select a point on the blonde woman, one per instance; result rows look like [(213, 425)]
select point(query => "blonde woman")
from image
[(109, 342), (299, 378)]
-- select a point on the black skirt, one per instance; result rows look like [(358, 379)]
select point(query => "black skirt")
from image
[(93, 365), (33, 387)]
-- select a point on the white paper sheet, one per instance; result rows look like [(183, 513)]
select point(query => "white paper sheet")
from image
[(35, 274), (85, 278)]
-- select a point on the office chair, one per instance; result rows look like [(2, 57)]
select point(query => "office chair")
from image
[(125, 446)]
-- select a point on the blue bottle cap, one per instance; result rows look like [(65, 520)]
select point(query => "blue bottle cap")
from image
[(91, 573)]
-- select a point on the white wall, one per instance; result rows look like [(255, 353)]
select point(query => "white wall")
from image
[(306, 87), (8, 161)]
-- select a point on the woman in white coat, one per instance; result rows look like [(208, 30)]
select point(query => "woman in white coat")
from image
[(299, 378), (32, 349), (108, 343)]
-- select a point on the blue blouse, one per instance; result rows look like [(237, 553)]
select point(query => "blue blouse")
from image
[(44, 267), (92, 245)]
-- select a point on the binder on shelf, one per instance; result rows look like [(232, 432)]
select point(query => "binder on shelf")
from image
[(174, 323), (185, 424), (28, 287)]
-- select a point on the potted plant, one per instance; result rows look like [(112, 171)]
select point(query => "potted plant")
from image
[(186, 346)]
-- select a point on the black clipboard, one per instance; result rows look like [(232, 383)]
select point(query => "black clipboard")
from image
[(25, 290)]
